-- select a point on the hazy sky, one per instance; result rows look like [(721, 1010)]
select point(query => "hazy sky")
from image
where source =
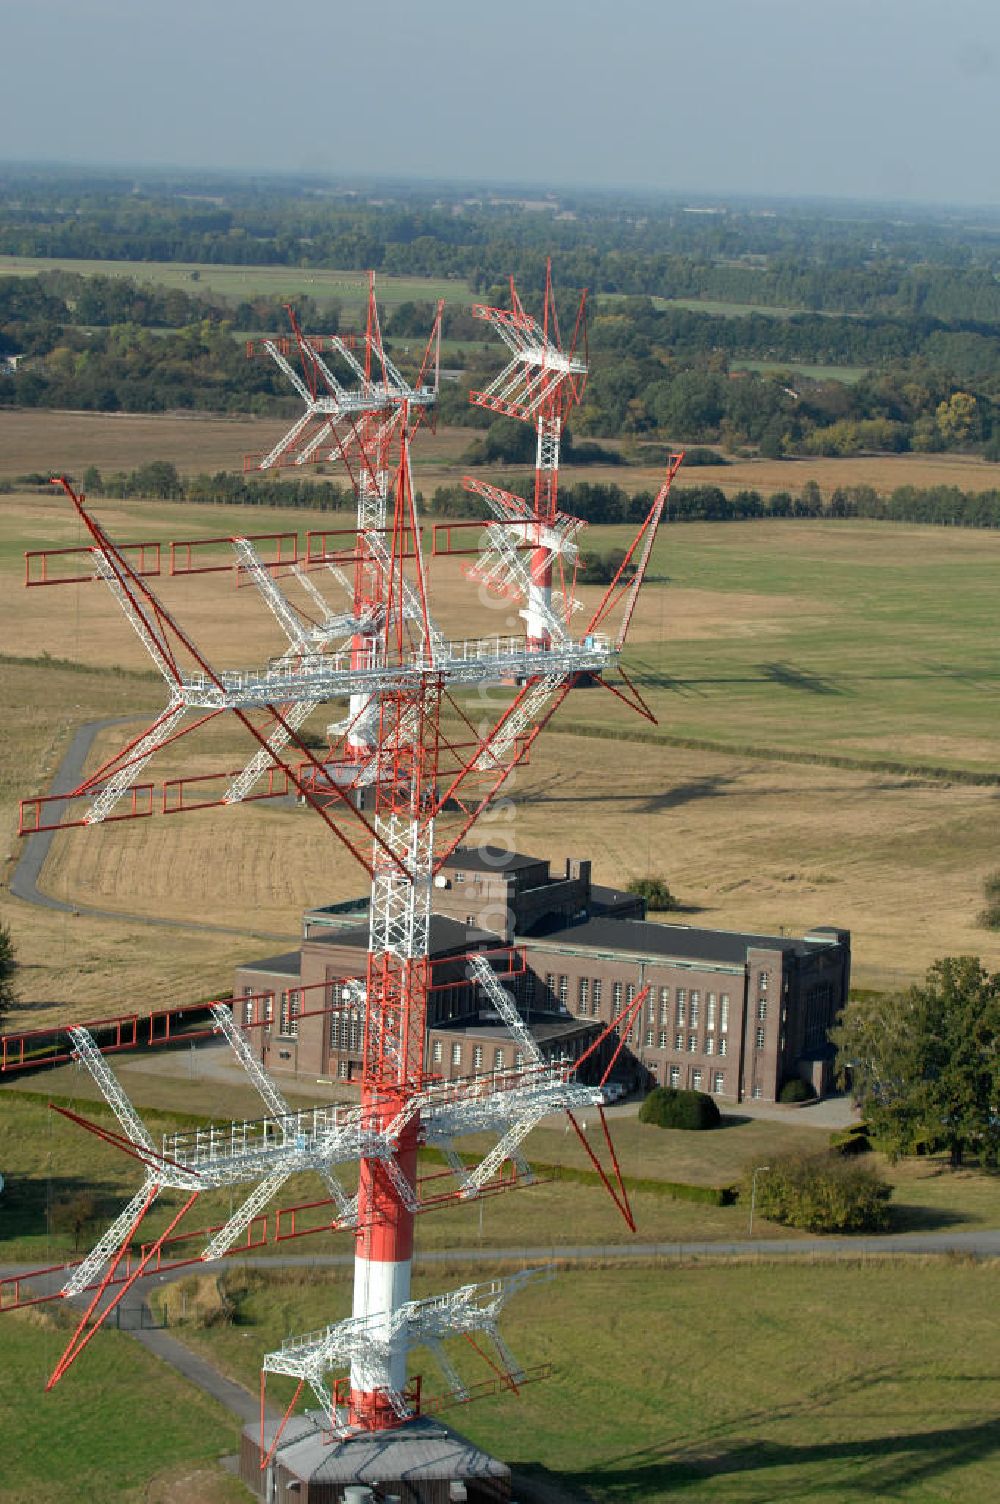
[(850, 98)]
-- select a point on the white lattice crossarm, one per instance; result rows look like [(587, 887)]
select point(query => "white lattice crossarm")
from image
[(524, 715), (280, 735), (274, 597), (122, 780), (245, 1213), (483, 973), (363, 1343), (269, 1094), (503, 568), (110, 1241), (103, 567), (89, 1055)]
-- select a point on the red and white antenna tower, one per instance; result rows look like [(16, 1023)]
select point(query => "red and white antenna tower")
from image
[(425, 786)]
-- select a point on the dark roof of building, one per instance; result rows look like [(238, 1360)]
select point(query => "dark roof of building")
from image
[(679, 941), (422, 1449), (287, 965), (445, 935), (491, 859)]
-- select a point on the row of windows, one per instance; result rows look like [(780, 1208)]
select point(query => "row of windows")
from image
[(711, 1045), (288, 1018), (718, 1079), (478, 1056), (688, 1004)]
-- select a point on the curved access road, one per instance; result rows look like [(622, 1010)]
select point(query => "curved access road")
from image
[(25, 877)]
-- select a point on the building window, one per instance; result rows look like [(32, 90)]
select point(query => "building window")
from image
[(563, 991), (678, 1040), (498, 1059), (343, 1069), (550, 983), (664, 1005), (723, 1045), (709, 1044), (692, 1044), (247, 1006), (675, 1075), (436, 1051), (595, 993), (695, 1001), (616, 997), (460, 877), (630, 993), (723, 1013), (456, 1054), (662, 1039), (696, 1080), (477, 1058), (758, 1092), (718, 1083), (649, 1038), (762, 1008), (519, 1060), (759, 1039), (268, 1009), (762, 981), (681, 1005), (584, 1002), (710, 1011)]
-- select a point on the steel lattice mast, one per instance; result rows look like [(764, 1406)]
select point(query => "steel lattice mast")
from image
[(426, 788)]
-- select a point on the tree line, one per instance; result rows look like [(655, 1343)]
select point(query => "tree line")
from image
[(599, 503)]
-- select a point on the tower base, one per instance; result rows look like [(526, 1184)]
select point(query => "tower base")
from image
[(422, 1462)]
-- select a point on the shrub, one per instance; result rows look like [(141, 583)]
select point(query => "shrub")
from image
[(796, 1090), (853, 1140), (700, 455), (666, 1107), (655, 891), (989, 917), (821, 1193)]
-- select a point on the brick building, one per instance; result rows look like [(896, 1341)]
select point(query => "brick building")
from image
[(729, 1013)]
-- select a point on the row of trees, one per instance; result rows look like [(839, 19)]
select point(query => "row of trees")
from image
[(863, 263), (597, 502)]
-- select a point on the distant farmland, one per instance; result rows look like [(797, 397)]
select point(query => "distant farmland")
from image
[(239, 282)]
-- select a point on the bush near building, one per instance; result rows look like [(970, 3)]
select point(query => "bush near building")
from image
[(668, 1107), (820, 1193), (796, 1090)]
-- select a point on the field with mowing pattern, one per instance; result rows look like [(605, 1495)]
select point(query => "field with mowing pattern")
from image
[(732, 1383)]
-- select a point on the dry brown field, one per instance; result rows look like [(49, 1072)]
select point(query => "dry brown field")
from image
[(39, 439), (745, 842)]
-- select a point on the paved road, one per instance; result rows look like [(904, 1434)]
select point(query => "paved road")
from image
[(25, 877)]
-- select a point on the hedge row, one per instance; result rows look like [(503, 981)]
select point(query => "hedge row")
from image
[(678, 1190)]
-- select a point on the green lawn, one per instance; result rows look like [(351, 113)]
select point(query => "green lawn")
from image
[(239, 282), (847, 374), (736, 1383), (116, 1424), (821, 637)]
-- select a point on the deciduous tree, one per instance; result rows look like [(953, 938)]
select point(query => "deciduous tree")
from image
[(925, 1063)]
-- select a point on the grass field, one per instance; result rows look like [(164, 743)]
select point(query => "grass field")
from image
[(847, 374), (47, 1159), (761, 641), (240, 282), (130, 1430), (736, 1383)]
